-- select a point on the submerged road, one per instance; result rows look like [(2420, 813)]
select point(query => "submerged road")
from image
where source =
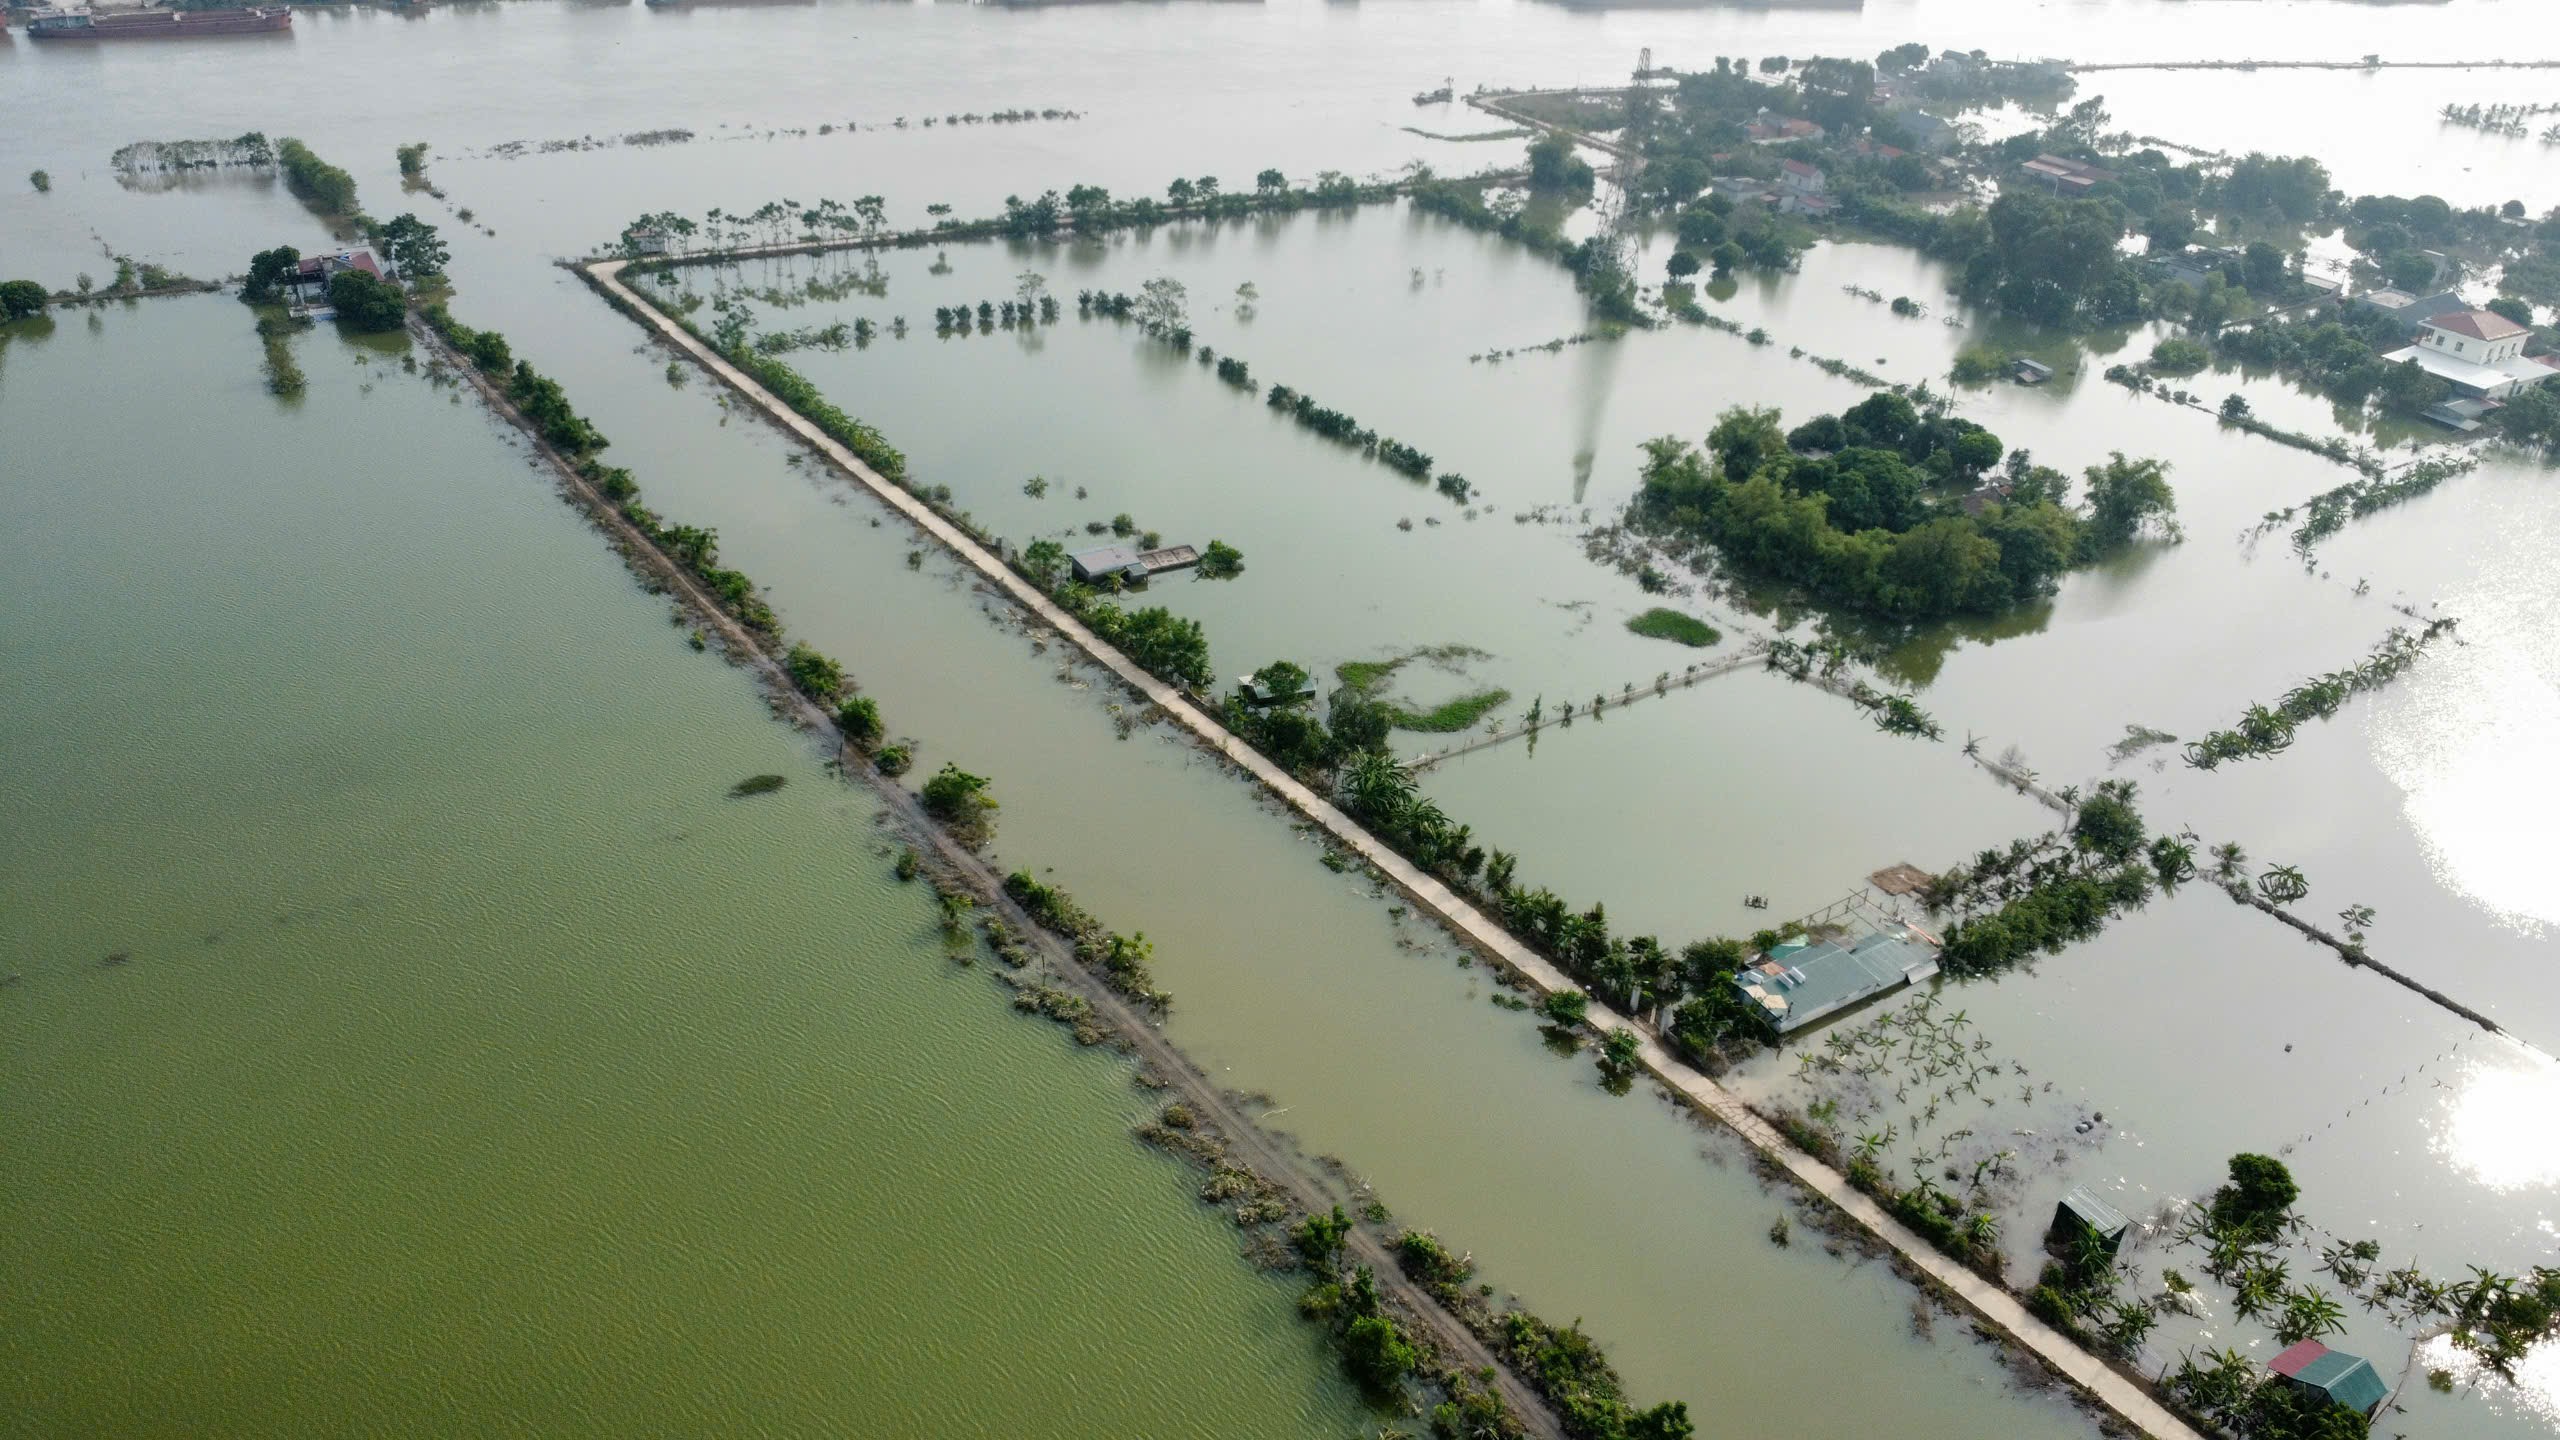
[(1995, 1305)]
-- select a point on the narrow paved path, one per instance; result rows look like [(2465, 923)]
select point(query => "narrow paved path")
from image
[(1995, 1305), (1247, 1143)]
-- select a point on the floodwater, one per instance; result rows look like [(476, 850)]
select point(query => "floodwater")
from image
[(2425, 802), (406, 1033)]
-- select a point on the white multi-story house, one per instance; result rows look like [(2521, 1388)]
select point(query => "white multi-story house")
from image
[(2479, 351)]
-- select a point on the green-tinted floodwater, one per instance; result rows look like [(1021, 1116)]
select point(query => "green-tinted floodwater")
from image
[(2426, 801), (472, 1065)]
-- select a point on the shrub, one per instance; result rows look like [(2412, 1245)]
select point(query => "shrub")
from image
[(1377, 1351), (1221, 561), (1661, 624), (860, 721), (960, 801), (2178, 355), (813, 673)]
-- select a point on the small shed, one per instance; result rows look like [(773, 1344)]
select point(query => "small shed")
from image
[(2030, 372), (1257, 694), (2333, 1375), (2082, 1215), (1121, 560)]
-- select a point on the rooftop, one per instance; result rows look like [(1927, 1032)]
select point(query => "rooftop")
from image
[(2093, 1212), (2478, 324), (2515, 369), (2056, 167), (2344, 1378), (1797, 984)]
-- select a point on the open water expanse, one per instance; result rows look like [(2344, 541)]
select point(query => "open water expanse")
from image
[(479, 1067)]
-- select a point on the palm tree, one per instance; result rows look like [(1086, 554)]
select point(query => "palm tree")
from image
[(2309, 1313), (2283, 885), (1375, 784), (2229, 860)]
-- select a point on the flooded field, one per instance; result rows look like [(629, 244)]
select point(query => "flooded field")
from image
[(407, 1032), (336, 776)]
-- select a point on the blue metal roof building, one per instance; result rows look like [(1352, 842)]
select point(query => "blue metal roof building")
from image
[(2341, 1378), (1797, 984)]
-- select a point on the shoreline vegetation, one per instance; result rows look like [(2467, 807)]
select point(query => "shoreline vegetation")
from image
[(2128, 498), (1378, 792), (1685, 1000), (1092, 976)]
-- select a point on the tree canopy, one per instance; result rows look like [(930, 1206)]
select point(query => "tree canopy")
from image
[(1864, 507)]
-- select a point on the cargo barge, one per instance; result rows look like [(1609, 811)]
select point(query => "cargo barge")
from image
[(156, 24)]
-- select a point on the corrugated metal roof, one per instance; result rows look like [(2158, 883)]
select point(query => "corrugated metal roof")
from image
[(2297, 1355), (2348, 1380), (2097, 1214)]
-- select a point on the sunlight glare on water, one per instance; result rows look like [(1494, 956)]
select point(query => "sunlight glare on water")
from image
[(2498, 1126), (2473, 742), (2534, 1392)]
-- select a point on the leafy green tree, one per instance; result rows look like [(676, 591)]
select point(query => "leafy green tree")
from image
[(41, 180), (1744, 439), (20, 299), (2409, 270), (268, 271), (367, 302), (412, 246), (2125, 496), (859, 719), (2511, 308), (1554, 166), (1164, 306), (1359, 723), (2293, 187), (1377, 1351), (1283, 679), (2258, 1197), (1045, 561), (1319, 1237), (2107, 823)]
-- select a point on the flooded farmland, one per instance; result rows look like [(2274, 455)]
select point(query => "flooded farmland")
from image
[(547, 1049)]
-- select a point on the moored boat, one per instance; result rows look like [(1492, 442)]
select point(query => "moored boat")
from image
[(157, 24)]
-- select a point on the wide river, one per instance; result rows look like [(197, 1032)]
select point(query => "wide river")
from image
[(478, 1066)]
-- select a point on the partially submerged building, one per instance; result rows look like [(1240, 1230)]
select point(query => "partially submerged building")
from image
[(1128, 563), (2479, 352), (2333, 1375), (309, 282), (2407, 311), (1797, 983), (2082, 1218)]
